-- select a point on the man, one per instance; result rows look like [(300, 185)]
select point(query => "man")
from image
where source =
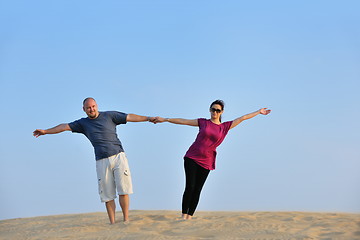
[(111, 163)]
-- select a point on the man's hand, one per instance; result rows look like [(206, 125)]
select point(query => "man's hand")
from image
[(39, 132)]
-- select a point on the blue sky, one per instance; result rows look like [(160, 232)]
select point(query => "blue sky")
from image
[(173, 58)]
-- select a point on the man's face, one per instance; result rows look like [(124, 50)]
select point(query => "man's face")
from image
[(91, 109)]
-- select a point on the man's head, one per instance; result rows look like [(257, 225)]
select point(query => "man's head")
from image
[(90, 107)]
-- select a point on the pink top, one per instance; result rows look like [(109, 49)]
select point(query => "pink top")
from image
[(210, 136)]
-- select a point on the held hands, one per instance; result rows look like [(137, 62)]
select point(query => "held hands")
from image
[(157, 119), (160, 119), (264, 111)]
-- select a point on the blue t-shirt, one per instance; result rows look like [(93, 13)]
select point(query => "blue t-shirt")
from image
[(101, 132)]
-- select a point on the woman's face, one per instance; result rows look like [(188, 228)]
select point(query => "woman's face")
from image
[(216, 111)]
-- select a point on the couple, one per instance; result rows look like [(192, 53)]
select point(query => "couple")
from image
[(112, 165)]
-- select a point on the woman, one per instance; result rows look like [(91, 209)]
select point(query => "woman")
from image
[(200, 158)]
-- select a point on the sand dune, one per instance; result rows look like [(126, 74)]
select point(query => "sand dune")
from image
[(205, 225)]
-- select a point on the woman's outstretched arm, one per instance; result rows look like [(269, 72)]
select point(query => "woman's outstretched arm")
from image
[(182, 121), (237, 121)]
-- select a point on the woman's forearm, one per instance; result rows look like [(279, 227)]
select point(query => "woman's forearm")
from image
[(250, 115), (242, 118), (182, 121)]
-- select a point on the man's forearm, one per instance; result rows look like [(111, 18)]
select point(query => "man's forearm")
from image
[(136, 118), (58, 129)]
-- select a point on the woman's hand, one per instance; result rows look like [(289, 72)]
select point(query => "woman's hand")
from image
[(264, 111)]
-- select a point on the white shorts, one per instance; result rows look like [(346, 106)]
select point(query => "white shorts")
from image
[(113, 174)]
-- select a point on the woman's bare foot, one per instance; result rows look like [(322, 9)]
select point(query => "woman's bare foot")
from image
[(186, 216)]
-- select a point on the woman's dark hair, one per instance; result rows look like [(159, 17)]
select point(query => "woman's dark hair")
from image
[(219, 102)]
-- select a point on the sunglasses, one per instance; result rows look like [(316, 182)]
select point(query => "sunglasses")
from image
[(215, 110)]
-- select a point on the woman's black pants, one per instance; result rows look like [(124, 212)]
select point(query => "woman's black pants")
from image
[(195, 179)]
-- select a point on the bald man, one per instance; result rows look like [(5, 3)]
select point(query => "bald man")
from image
[(111, 163)]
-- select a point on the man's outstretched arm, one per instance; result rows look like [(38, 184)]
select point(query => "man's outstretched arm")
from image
[(138, 118), (58, 129)]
